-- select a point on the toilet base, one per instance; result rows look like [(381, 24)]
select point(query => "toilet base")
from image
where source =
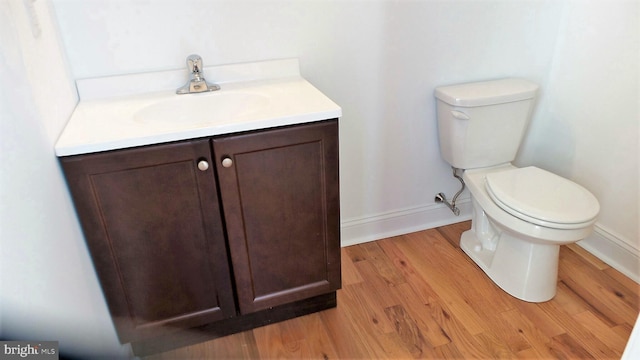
[(520, 257), (523, 269)]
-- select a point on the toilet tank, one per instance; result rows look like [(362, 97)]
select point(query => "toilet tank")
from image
[(482, 124)]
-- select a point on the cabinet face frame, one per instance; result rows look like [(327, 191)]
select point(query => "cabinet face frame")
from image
[(89, 176), (292, 173)]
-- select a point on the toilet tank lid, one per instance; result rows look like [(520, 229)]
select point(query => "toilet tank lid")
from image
[(487, 92)]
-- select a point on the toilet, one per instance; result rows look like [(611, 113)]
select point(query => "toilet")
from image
[(521, 216)]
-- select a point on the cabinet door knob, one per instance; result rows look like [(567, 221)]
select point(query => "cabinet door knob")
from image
[(227, 162), (203, 165)]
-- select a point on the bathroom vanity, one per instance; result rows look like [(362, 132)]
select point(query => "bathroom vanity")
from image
[(209, 227)]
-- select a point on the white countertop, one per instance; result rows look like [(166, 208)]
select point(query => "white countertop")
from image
[(108, 116)]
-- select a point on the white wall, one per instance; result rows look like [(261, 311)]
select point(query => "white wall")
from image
[(380, 60), (587, 124), (48, 289)]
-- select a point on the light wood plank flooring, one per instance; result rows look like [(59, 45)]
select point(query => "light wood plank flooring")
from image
[(419, 296)]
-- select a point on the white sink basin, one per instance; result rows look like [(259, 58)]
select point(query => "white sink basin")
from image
[(203, 109)]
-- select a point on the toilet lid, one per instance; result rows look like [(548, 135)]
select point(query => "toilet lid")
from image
[(541, 197)]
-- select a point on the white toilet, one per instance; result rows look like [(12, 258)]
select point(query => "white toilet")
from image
[(521, 216)]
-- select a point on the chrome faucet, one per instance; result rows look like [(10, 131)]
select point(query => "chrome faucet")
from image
[(197, 82)]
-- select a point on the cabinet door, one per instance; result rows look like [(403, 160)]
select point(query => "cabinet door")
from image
[(280, 197), (152, 222)]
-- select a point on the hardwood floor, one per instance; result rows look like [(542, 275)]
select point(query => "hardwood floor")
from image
[(419, 296)]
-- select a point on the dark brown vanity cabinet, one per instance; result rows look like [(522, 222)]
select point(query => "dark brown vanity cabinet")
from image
[(281, 203), (153, 227), (238, 230)]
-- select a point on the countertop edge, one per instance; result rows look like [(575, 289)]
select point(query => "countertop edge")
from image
[(92, 148)]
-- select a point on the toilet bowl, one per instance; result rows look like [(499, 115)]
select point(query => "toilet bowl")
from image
[(521, 216), (520, 252)]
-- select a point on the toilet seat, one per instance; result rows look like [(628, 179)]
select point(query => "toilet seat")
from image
[(542, 198)]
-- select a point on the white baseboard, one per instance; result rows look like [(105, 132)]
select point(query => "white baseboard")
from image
[(610, 248), (603, 244), (403, 221)]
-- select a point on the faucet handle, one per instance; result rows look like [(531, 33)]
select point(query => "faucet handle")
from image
[(197, 82), (194, 63)]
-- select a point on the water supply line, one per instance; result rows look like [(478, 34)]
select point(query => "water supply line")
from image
[(441, 198)]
